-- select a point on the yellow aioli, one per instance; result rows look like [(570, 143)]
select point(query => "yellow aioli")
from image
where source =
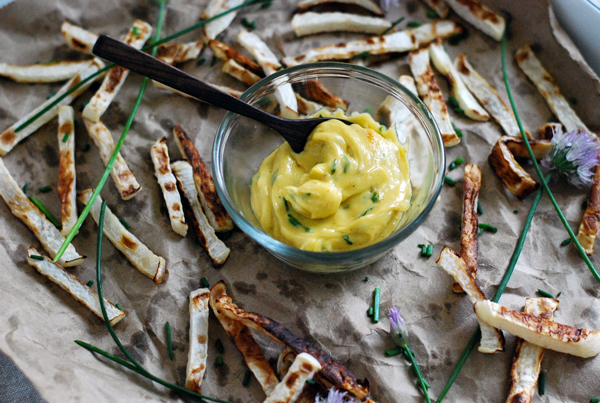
[(346, 190)]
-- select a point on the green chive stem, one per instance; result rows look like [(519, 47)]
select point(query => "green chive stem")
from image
[(204, 283), (394, 351), (429, 251), (169, 341), (565, 242), (376, 302), (366, 279), (424, 385), (370, 312), (219, 346), (542, 383), (545, 294), (246, 379), (390, 28), (65, 137), (90, 283), (219, 362), (46, 212), (479, 209), (124, 223), (45, 189), (36, 257), (25, 187), (449, 181)]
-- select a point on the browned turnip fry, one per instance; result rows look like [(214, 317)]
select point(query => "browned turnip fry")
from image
[(314, 23), (312, 389), (225, 53), (198, 350), (487, 21), (71, 284), (539, 331), (430, 93), (122, 176), (42, 73), (211, 204), (48, 235), (116, 76), (244, 342), (517, 147), (10, 138), (240, 72), (492, 339), (301, 371), (78, 38), (366, 4), (527, 361), (66, 190), (214, 7), (515, 179), (548, 130), (316, 91), (172, 53), (591, 218), (135, 251), (470, 221)]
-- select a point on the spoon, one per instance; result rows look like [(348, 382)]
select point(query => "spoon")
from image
[(294, 131)]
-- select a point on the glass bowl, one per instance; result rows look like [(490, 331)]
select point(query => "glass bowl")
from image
[(241, 144)]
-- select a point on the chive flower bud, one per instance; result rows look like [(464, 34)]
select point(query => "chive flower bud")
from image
[(334, 396), (398, 328)]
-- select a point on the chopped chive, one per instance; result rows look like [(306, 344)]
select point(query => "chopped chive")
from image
[(213, 61), (381, 129), (488, 228), (452, 101), (65, 137), (90, 283), (280, 68), (542, 383), (370, 312), (45, 189), (449, 181), (248, 24), (87, 148), (36, 257), (136, 31), (376, 302), (200, 62), (25, 187), (413, 24), (479, 209), (347, 239), (346, 164), (545, 294), (375, 197), (421, 245), (398, 21), (204, 283), (460, 111), (433, 15), (366, 54), (46, 212), (297, 223), (479, 231), (169, 341), (366, 279), (53, 93), (459, 160), (125, 223), (558, 295), (118, 307), (456, 39), (368, 110), (565, 242), (285, 203), (333, 165), (424, 250), (219, 362), (274, 177), (515, 211), (367, 211), (246, 379), (429, 250), (394, 351), (595, 400), (452, 166), (219, 346), (310, 382), (458, 132)]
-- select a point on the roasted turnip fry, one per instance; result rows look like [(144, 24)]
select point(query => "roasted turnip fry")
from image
[(42, 73), (332, 370), (216, 249), (307, 107), (316, 23), (214, 28), (71, 284), (35, 220), (172, 53), (544, 82), (470, 221), (393, 112), (528, 357), (439, 6), (409, 83), (515, 179), (591, 218), (539, 331), (78, 38), (213, 208), (244, 341), (548, 130), (461, 93), (67, 192), (492, 340), (270, 64), (240, 72), (430, 93), (366, 4), (397, 42), (198, 352), (316, 91), (9, 138), (116, 76), (488, 96), (303, 369), (311, 390), (227, 90), (517, 147), (162, 169), (134, 250), (481, 17), (225, 53), (122, 176)]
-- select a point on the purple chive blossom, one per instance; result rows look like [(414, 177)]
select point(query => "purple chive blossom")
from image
[(574, 156), (386, 4), (398, 328), (334, 396)]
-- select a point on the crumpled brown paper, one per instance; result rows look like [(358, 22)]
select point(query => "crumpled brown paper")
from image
[(39, 321)]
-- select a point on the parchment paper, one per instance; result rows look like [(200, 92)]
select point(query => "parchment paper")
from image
[(39, 321)]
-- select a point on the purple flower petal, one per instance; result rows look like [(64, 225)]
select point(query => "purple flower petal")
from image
[(398, 328), (334, 396)]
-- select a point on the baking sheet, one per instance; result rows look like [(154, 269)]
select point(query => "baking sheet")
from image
[(39, 321)]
